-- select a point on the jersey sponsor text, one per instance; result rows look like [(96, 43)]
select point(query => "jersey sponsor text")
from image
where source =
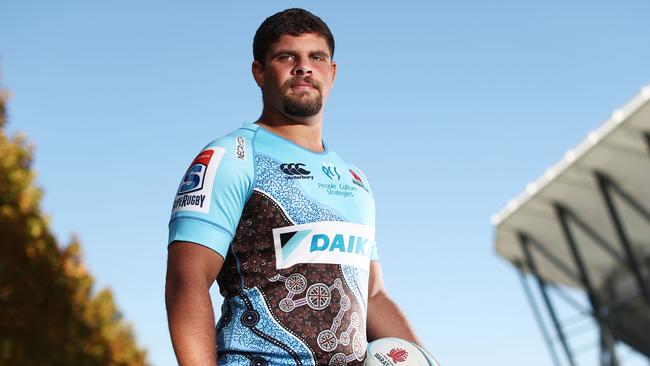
[(331, 242)]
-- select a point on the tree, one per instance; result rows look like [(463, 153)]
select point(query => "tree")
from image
[(48, 312)]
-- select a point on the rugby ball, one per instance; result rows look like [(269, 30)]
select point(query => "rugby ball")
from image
[(397, 352)]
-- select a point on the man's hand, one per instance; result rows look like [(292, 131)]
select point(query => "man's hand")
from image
[(191, 270), (385, 319)]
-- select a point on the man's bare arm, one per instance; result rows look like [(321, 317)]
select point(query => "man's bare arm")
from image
[(191, 270), (385, 319)]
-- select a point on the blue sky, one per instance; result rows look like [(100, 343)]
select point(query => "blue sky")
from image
[(450, 108)]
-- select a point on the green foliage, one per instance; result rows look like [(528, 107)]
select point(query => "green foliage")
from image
[(48, 313)]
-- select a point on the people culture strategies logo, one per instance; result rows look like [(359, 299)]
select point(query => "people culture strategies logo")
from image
[(330, 171), (336, 187), (195, 189)]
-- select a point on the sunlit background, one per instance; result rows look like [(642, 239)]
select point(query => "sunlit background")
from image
[(450, 108)]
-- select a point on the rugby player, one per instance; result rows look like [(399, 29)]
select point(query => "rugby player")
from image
[(284, 225)]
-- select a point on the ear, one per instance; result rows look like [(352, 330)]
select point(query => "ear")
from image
[(333, 72), (258, 73)]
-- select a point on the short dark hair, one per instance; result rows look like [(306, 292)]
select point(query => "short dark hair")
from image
[(294, 22)]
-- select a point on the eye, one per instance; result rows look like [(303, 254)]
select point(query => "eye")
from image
[(285, 57), (317, 58)]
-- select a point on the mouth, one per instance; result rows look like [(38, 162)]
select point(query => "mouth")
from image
[(303, 85)]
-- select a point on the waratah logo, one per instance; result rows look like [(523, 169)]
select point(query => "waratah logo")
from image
[(398, 355)]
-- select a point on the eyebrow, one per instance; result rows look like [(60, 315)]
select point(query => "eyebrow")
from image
[(322, 54)]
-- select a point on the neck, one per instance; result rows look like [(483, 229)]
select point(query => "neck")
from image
[(306, 132)]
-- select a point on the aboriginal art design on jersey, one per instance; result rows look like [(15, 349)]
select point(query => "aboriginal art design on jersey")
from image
[(359, 288), (299, 207), (307, 314)]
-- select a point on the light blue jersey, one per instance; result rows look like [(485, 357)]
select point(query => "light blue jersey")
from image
[(297, 231)]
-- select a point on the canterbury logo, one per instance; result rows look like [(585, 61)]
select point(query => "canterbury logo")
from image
[(294, 169)]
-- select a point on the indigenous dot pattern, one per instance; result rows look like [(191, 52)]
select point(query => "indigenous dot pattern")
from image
[(252, 325), (357, 280), (269, 339), (299, 207)]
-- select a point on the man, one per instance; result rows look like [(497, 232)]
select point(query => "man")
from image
[(282, 222)]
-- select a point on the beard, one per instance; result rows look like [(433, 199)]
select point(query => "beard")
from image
[(301, 104)]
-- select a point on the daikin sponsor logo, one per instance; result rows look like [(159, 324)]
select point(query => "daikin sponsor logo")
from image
[(295, 171), (195, 191), (339, 242), (324, 242)]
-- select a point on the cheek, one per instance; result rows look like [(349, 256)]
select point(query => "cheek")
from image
[(277, 81), (326, 93), (327, 78), (326, 86), (272, 84)]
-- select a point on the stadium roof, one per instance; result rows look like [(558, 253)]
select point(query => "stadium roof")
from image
[(619, 150)]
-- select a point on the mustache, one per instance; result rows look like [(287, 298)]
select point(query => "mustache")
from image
[(294, 81)]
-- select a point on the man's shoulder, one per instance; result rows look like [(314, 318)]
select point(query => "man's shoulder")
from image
[(231, 154), (238, 140)]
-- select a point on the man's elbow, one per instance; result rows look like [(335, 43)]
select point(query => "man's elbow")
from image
[(179, 285)]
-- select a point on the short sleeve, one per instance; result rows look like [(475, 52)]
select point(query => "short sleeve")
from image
[(212, 194), (374, 253)]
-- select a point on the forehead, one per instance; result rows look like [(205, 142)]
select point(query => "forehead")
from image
[(306, 42)]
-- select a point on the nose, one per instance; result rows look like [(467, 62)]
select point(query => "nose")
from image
[(302, 67)]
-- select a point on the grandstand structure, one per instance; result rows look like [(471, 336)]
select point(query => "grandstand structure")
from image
[(581, 234)]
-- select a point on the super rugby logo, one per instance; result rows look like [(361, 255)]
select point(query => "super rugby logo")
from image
[(295, 171), (324, 242), (193, 179), (195, 189)]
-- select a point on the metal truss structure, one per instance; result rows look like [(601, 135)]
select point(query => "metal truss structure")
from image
[(583, 230)]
